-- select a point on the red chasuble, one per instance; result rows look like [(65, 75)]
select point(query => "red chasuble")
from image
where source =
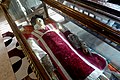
[(70, 63)]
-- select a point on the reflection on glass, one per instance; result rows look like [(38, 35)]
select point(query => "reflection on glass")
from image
[(65, 47)]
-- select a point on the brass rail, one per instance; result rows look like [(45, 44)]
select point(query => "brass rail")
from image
[(34, 61), (89, 22)]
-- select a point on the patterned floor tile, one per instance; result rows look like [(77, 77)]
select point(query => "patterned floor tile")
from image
[(19, 62)]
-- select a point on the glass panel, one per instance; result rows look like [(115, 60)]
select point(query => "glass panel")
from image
[(85, 12), (116, 26), (102, 18), (47, 38), (111, 22), (76, 9), (91, 15), (98, 18), (105, 21), (81, 10), (95, 42), (22, 10)]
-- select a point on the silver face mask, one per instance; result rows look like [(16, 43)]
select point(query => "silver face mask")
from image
[(37, 27), (39, 24)]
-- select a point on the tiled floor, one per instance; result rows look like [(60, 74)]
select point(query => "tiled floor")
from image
[(20, 64), (13, 63), (6, 72)]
